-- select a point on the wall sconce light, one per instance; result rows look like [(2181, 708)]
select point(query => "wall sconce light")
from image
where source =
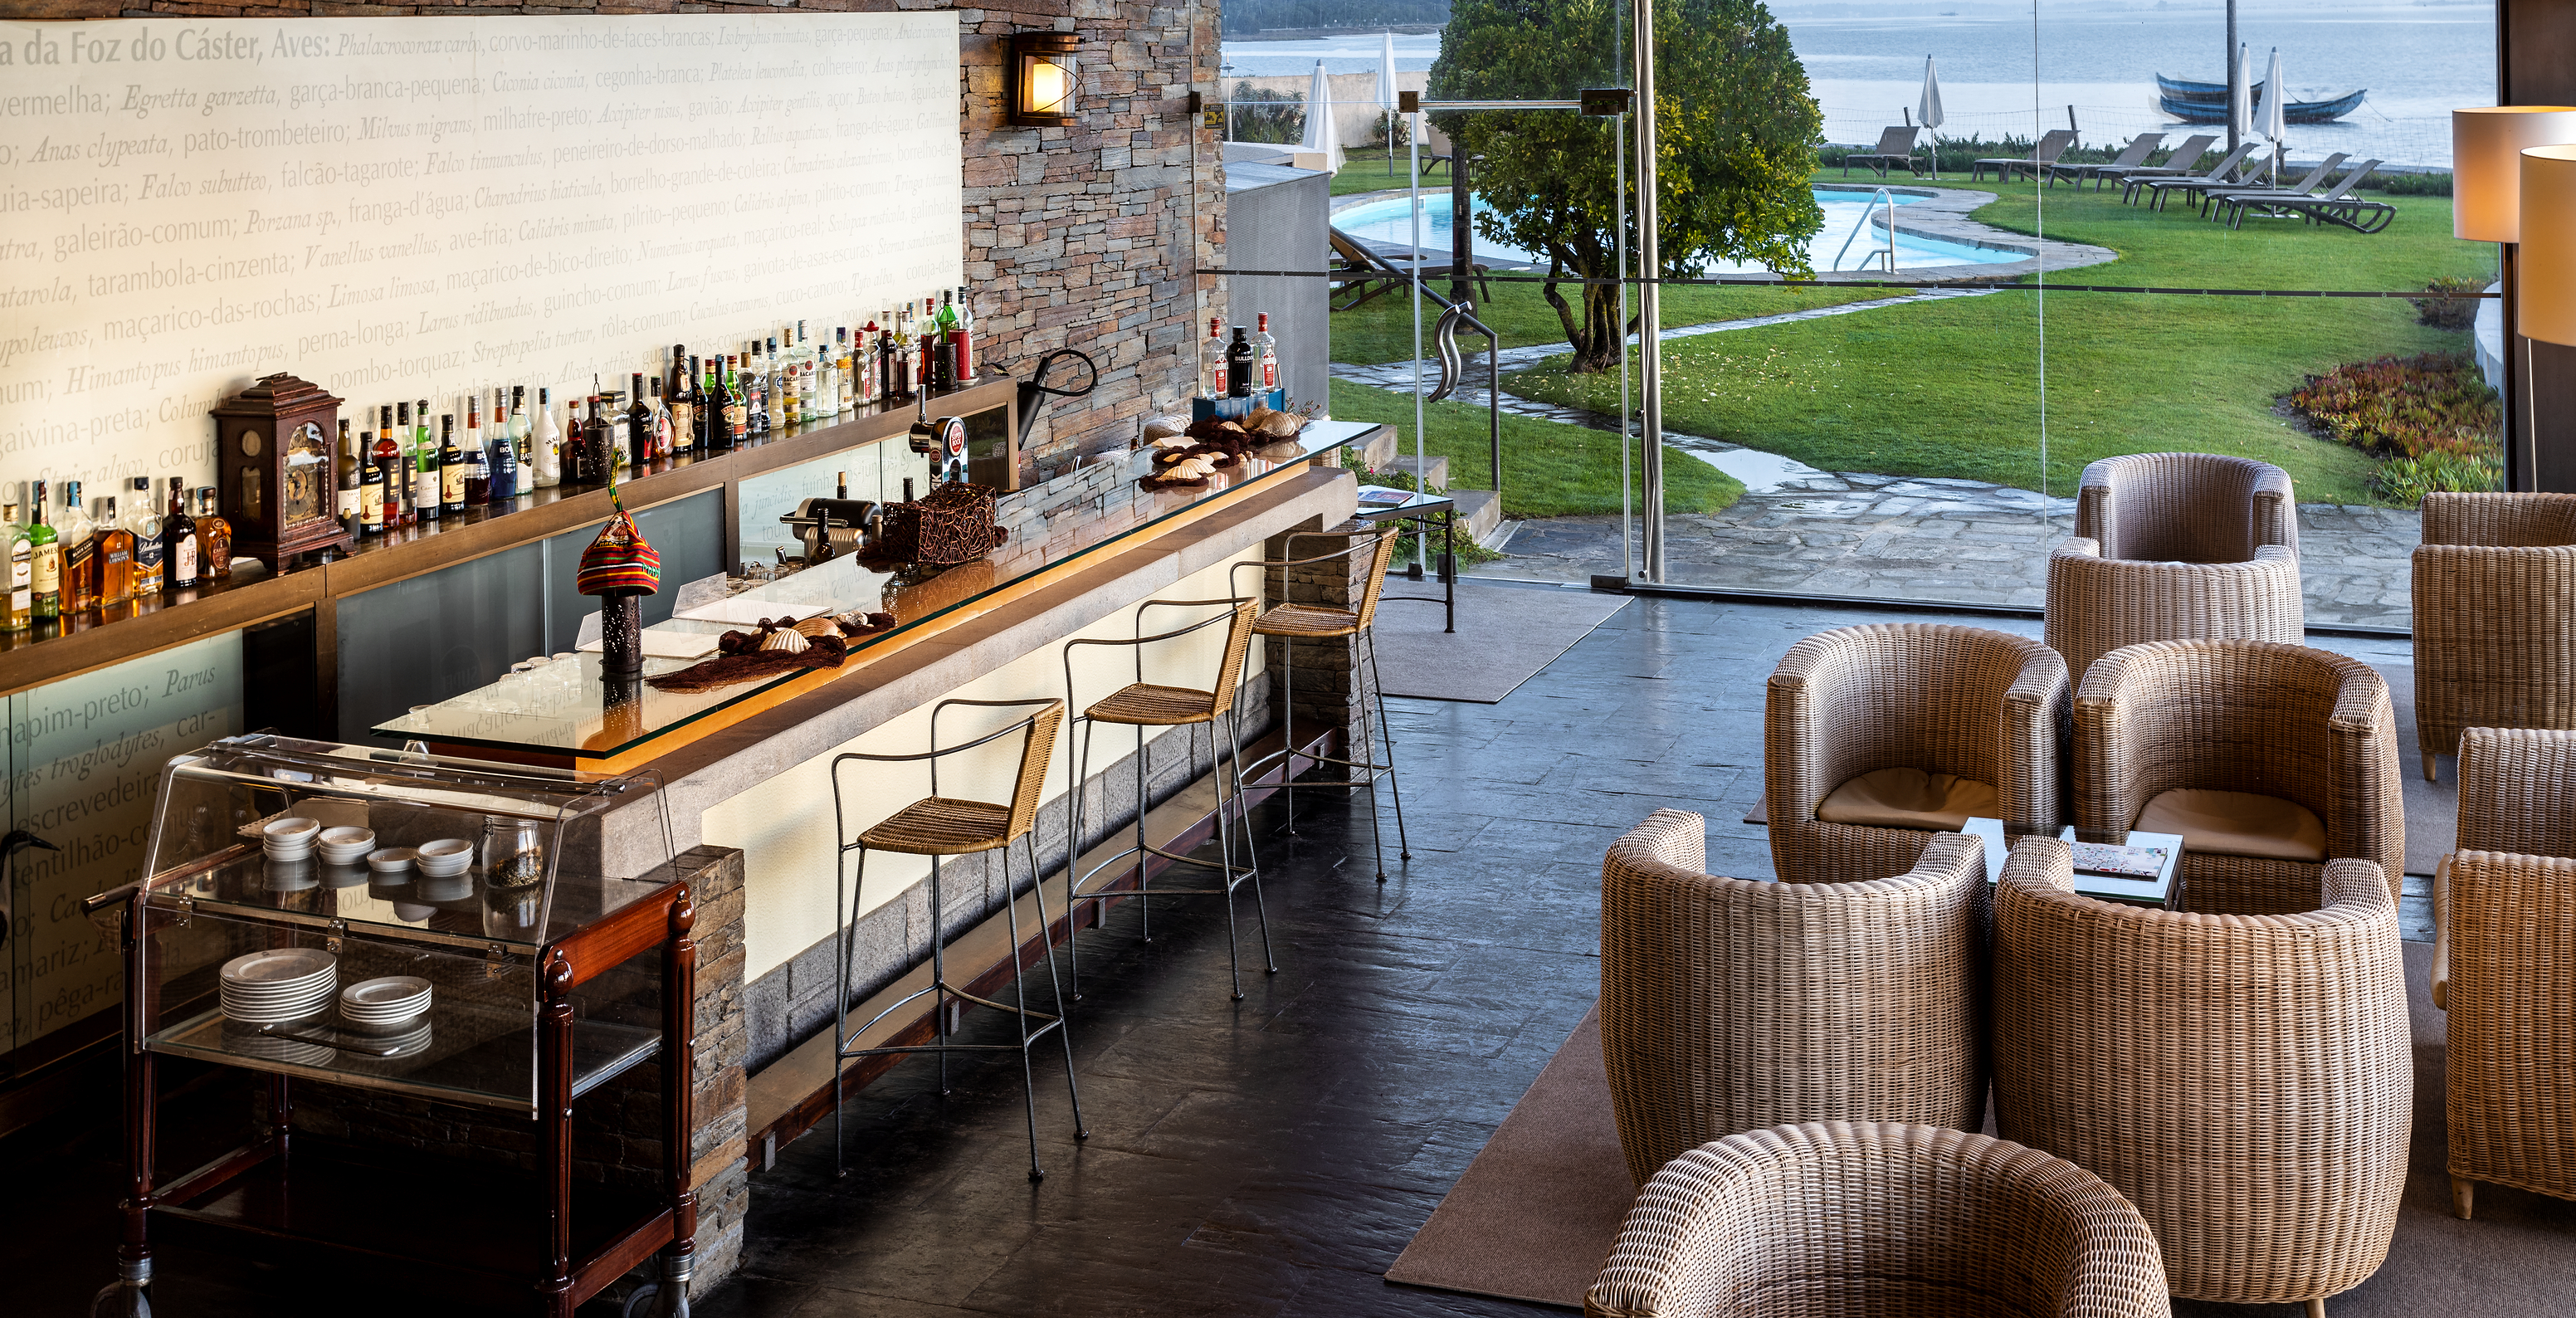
[(1042, 82)]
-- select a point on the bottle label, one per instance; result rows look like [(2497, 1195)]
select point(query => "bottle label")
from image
[(372, 511), (1269, 372), (427, 489), (348, 504), (46, 576), (184, 569), (22, 569), (451, 484)]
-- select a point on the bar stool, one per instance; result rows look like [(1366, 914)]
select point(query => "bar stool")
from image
[(938, 827), (1141, 705), (1294, 622)]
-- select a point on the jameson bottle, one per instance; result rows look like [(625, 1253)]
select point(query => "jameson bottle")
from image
[(178, 540), (451, 475), (45, 560), (144, 521), (737, 409)]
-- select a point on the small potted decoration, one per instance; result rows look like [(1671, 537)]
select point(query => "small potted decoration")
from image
[(621, 569)]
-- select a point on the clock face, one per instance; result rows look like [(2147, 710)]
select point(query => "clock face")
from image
[(307, 473), (252, 442)]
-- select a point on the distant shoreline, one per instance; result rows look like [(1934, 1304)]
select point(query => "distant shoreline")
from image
[(1328, 33)]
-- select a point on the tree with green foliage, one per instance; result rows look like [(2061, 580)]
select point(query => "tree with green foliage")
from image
[(1737, 133)]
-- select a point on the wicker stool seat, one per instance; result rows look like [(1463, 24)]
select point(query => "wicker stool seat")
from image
[(1370, 550), (1141, 705), (938, 827), (1846, 1220)]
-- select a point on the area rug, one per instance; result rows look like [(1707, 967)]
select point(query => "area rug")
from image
[(1534, 1215), (1505, 635), (1536, 1212)]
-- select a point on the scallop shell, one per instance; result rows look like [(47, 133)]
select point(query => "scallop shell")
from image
[(1278, 425), (790, 641), (818, 625), (1172, 441), (1163, 427), (1190, 469)]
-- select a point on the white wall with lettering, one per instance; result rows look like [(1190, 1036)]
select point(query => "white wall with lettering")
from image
[(406, 208)]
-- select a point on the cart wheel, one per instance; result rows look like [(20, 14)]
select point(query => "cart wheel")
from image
[(643, 1301), (120, 1300)]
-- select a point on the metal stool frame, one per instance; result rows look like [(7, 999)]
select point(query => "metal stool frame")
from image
[(1373, 688), (1040, 731), (1239, 614)]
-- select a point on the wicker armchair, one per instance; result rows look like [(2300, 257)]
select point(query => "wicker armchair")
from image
[(2098, 602), (1868, 1220), (2186, 507), (2495, 597), (2504, 965), (1729, 1005), (2183, 736), (2246, 1081), (1985, 707)]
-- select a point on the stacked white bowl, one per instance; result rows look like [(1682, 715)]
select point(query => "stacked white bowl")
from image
[(278, 985), (290, 838), (385, 1006), (445, 858), (346, 846)]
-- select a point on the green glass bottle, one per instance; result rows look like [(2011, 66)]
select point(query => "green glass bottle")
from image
[(45, 566)]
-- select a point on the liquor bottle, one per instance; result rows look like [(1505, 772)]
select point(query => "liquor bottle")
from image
[(881, 337), (78, 537), (634, 431), (478, 464), (790, 374), (214, 538), (523, 439), (179, 537), (927, 338), (419, 446), (144, 520), (549, 443), (17, 610), (472, 439), (717, 408), (679, 399), (452, 468), (598, 458), (345, 477), (396, 445), (963, 335), (506, 473), (773, 403), (115, 558), (1212, 361), (371, 499), (1238, 366), (936, 343), (661, 423), (45, 560), (737, 409), (1265, 355), (864, 367), (844, 385)]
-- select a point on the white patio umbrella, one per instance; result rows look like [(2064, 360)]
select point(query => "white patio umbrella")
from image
[(1386, 94), (2240, 118), (1928, 111), (2276, 114), (1319, 122)]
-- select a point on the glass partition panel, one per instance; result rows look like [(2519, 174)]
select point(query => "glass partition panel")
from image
[(688, 534), (875, 472), (433, 636)]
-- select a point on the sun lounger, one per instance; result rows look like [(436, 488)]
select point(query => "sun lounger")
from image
[(2219, 203), (1363, 269), (2052, 144), (2139, 148), (2235, 170), (1895, 147), (2184, 160), (2334, 206), (2138, 179)]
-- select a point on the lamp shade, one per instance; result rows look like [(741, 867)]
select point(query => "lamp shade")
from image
[(2486, 165), (2546, 309)]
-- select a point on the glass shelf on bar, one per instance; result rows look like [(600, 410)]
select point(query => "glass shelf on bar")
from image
[(460, 1053)]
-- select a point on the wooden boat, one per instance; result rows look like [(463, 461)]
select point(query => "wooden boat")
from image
[(2206, 103)]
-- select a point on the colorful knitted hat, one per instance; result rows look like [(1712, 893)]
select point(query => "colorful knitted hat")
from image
[(619, 562)]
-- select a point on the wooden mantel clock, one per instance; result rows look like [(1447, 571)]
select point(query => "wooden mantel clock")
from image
[(273, 469)]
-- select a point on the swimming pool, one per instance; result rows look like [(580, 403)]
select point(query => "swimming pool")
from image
[(1391, 222)]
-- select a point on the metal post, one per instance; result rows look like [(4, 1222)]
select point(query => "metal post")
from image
[(2235, 70), (1462, 245), (2519, 430), (1619, 251), (1649, 302)]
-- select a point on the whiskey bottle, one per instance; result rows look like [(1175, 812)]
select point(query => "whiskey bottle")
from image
[(451, 475), (144, 520), (1265, 355), (16, 610), (549, 443), (737, 409), (78, 537), (1238, 366), (371, 500), (115, 558), (179, 539), (214, 538), (45, 560), (346, 478)]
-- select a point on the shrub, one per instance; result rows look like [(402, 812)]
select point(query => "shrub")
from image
[(2415, 185), (2447, 310), (2405, 406), (1261, 115), (2406, 481)]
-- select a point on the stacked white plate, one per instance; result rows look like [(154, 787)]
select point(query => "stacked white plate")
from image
[(346, 846), (445, 858), (290, 838), (282, 984), (384, 1005), (250, 1042)]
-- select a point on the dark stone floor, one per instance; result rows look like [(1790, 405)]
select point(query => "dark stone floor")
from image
[(1267, 1157)]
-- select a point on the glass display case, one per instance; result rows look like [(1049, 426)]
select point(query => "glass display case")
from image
[(413, 925)]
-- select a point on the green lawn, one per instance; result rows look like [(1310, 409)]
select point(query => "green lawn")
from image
[(1953, 388), (1382, 331), (1549, 469)]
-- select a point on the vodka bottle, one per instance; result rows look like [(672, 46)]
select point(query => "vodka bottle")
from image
[(1265, 355), (1212, 361)]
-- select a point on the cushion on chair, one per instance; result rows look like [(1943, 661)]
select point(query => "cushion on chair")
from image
[(1909, 798), (2236, 824)]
